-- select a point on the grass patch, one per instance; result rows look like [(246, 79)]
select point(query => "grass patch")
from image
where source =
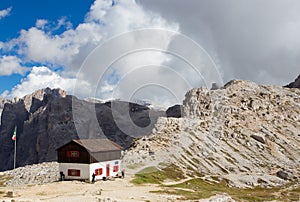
[(201, 189), (153, 175), (148, 170), (134, 166), (215, 178), (292, 195)]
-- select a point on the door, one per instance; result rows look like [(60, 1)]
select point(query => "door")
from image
[(107, 170)]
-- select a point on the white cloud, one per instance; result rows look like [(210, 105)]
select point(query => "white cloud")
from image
[(43, 77), (40, 23), (11, 65), (70, 48), (247, 41), (250, 39), (4, 13), (63, 22)]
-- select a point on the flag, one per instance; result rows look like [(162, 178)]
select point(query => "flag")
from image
[(14, 137)]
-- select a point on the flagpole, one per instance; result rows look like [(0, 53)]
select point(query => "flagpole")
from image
[(14, 138), (15, 155)]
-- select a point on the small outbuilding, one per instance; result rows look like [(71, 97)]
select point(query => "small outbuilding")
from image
[(79, 159)]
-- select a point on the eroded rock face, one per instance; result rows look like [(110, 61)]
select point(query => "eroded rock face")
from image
[(243, 132), (174, 111), (295, 84), (33, 129), (45, 121), (35, 100), (2, 103)]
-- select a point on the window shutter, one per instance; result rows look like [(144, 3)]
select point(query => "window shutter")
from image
[(98, 171), (116, 169), (73, 154), (73, 172)]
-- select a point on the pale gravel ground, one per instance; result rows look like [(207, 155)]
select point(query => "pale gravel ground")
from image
[(117, 190)]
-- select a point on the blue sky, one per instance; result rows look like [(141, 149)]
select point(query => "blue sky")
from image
[(44, 43), (24, 14)]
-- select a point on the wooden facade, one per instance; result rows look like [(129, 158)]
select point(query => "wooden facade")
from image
[(81, 151), (64, 157)]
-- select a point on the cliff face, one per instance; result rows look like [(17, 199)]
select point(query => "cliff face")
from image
[(174, 111), (244, 132), (45, 121), (294, 84), (2, 103)]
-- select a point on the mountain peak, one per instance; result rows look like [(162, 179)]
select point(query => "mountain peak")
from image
[(40, 94), (294, 84)]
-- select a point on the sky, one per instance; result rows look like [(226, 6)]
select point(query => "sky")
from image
[(145, 50)]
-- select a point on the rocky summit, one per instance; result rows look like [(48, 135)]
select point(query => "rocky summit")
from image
[(244, 133), (46, 120), (294, 84)]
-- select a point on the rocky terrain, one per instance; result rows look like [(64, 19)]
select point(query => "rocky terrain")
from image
[(245, 133), (39, 182), (32, 174), (45, 121), (294, 84)]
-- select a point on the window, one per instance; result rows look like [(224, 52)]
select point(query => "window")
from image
[(116, 169), (73, 154), (98, 171), (73, 172)]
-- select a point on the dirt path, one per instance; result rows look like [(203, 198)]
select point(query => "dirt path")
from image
[(75, 191)]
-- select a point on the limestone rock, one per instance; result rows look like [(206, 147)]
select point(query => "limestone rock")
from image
[(258, 138), (283, 175), (241, 132)]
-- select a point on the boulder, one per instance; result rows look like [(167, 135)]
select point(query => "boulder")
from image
[(283, 175), (258, 138), (174, 111)]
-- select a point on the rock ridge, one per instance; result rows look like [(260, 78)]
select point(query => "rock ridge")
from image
[(45, 121), (244, 132)]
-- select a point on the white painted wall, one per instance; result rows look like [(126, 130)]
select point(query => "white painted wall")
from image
[(95, 166), (102, 165), (86, 170)]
